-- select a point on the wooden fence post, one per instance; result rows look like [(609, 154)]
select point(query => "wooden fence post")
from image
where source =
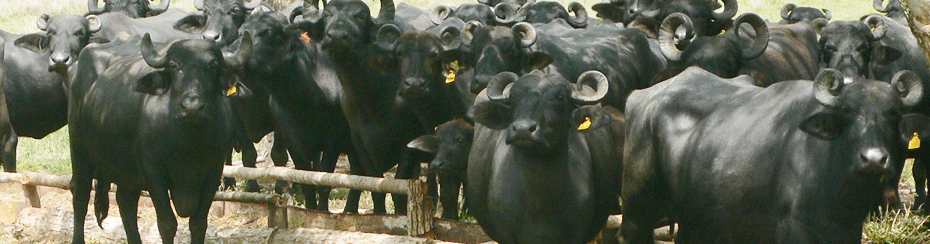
[(419, 209), (277, 213), (918, 18), (32, 196)]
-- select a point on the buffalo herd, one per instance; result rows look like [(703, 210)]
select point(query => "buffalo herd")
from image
[(737, 128)]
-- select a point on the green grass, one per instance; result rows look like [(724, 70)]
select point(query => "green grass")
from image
[(901, 227)]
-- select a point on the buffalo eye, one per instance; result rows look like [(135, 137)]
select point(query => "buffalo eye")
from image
[(233, 10), (360, 15), (327, 13), (829, 48)]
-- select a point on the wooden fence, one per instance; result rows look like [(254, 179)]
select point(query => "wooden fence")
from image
[(419, 220)]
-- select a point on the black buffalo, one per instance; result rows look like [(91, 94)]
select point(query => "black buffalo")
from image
[(220, 19), (501, 14), (893, 9), (793, 53), (545, 11), (626, 56), (796, 162), (160, 27), (7, 136), (850, 46), (536, 173), (450, 145), (611, 10), (707, 22), (723, 55), (380, 128), (155, 122), (131, 8), (791, 14), (304, 101), (35, 68)]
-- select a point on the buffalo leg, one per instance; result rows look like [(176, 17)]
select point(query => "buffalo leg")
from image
[(9, 150), (304, 158), (128, 201), (449, 184), (198, 220), (279, 157), (920, 182), (249, 156), (81, 182), (167, 222), (326, 164)]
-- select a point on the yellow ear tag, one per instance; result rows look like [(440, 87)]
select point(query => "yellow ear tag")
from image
[(585, 125), (232, 90), (453, 67), (915, 142)]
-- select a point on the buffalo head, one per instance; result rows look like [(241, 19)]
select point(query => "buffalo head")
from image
[(535, 110), (451, 145), (344, 24), (64, 37), (131, 8), (849, 46), (791, 13), (722, 55), (498, 49), (865, 117), (421, 56), (220, 20), (194, 75)]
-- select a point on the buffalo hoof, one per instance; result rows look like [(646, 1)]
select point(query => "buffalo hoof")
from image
[(252, 186), (228, 183)]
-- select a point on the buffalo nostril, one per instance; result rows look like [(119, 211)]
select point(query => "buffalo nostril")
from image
[(874, 156), (212, 35), (60, 59), (192, 104), (532, 128)]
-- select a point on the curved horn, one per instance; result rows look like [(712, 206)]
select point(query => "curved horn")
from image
[(160, 8), (827, 13), (234, 60), (786, 10), (387, 36), (527, 33), (877, 24), (908, 84), (667, 37), (42, 21), (762, 34), (468, 33), (93, 23), (878, 4), (294, 14), (251, 5), (729, 10), (587, 80), (198, 4), (827, 86), (499, 87), (818, 24), (441, 13), (150, 55), (581, 15), (450, 38), (505, 14), (93, 8), (387, 10)]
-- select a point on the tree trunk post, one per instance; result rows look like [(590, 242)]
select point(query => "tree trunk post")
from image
[(32, 196), (419, 209), (277, 213), (918, 17)]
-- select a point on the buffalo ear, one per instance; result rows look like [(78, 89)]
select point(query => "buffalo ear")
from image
[(599, 116), (239, 90), (912, 123), (492, 114), (99, 40), (884, 55), (825, 125), (193, 23), (155, 83), (32, 42), (537, 61), (425, 143)]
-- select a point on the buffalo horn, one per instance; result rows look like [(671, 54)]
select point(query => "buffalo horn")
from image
[(827, 86), (499, 87), (586, 81)]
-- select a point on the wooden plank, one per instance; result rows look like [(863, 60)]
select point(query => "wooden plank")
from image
[(364, 183), (455, 231), (32, 196)]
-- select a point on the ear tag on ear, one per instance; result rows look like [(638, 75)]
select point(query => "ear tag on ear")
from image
[(305, 37), (724, 31), (915, 142), (585, 125), (232, 90), (452, 68)]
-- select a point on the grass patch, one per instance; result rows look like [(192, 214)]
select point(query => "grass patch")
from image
[(898, 227)]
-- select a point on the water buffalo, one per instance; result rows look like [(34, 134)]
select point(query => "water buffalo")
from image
[(791, 14), (723, 55), (707, 22), (796, 162), (536, 172), (131, 8), (7, 136), (450, 145), (151, 121), (35, 68)]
